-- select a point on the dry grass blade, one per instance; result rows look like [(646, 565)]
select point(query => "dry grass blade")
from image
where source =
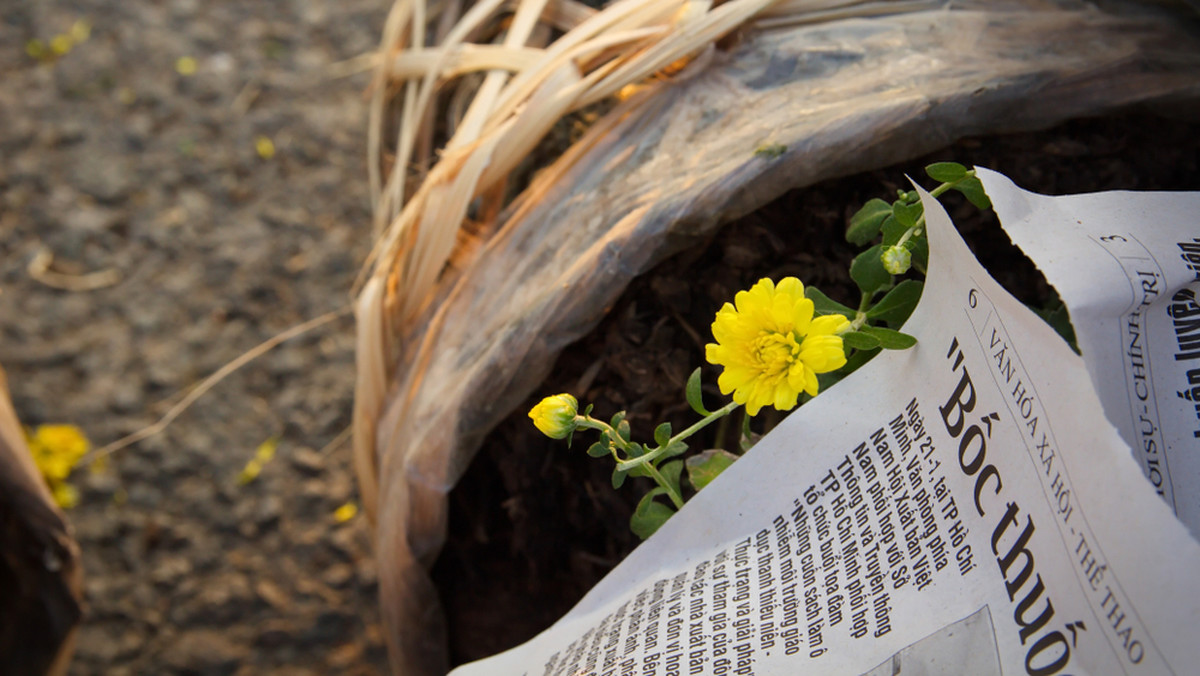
[(208, 383), (39, 269), (627, 43)]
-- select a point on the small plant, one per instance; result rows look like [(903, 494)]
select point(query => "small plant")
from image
[(778, 344)]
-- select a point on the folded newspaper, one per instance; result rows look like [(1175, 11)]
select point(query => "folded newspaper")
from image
[(963, 507)]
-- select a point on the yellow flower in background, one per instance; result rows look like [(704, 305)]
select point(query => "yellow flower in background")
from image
[(262, 455), (771, 346), (35, 48), (56, 449), (555, 416), (345, 512), (61, 44), (65, 495), (265, 147), (81, 30), (185, 66)]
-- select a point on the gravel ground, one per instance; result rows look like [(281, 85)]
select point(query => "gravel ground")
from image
[(118, 159)]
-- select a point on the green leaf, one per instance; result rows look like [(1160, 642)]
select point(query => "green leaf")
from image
[(860, 340), (597, 450), (650, 515), (898, 304), (1055, 314), (616, 419), (674, 448), (618, 478), (662, 434), (619, 475), (706, 465), (694, 396), (748, 437), (889, 339), (919, 246), (864, 224), (770, 150), (946, 172), (829, 379), (907, 214), (671, 472), (824, 305), (867, 271), (973, 189), (640, 470), (893, 230), (623, 429)]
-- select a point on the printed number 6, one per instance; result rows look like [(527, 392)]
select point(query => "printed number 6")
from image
[(972, 298)]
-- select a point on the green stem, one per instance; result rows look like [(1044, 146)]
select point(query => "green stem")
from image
[(662, 481), (860, 316), (935, 193), (912, 232), (701, 424), (601, 426), (653, 455), (941, 189)]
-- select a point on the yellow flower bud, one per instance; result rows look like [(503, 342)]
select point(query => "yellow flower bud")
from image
[(555, 416)]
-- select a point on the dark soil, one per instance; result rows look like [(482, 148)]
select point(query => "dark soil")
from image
[(534, 525)]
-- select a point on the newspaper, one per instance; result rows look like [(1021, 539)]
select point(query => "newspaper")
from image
[(1127, 265), (962, 507)]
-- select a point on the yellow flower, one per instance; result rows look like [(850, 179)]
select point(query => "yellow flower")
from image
[(35, 48), (772, 347), (81, 30), (250, 472), (64, 494), (555, 416), (61, 44), (345, 512), (185, 66), (56, 449), (265, 147)]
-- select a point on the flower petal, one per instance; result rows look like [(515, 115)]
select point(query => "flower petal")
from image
[(822, 353), (828, 324), (785, 397), (810, 382)]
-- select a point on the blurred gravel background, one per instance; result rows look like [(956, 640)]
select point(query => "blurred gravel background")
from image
[(203, 154)]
